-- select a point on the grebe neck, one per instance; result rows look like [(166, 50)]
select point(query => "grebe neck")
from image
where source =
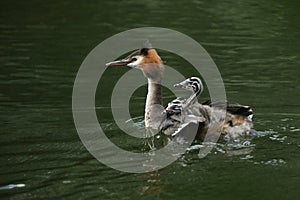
[(153, 103)]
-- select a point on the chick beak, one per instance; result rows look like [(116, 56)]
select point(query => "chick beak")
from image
[(184, 84), (179, 85)]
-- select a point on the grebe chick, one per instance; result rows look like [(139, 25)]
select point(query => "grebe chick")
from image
[(179, 110), (238, 120)]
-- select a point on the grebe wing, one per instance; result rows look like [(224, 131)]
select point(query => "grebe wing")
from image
[(186, 132), (232, 108)]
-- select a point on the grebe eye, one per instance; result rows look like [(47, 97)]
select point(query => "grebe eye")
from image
[(133, 59)]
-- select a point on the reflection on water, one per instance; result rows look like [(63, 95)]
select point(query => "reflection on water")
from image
[(255, 44), (11, 186), (153, 185)]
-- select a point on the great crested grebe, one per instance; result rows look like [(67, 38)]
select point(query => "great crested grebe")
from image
[(149, 62), (179, 105), (181, 111)]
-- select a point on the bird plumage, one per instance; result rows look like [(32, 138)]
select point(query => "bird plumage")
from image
[(236, 122)]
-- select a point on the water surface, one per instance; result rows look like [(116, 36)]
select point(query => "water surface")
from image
[(255, 44)]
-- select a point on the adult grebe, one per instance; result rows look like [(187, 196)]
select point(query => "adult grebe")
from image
[(147, 60)]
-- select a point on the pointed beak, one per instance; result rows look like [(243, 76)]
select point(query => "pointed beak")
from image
[(184, 85), (179, 85), (122, 62)]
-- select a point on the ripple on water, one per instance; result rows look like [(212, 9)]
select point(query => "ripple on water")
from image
[(273, 162), (278, 138), (293, 129)]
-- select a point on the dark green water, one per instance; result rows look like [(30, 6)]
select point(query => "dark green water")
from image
[(255, 44)]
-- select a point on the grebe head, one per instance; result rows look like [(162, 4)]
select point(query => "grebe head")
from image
[(145, 59), (193, 84)]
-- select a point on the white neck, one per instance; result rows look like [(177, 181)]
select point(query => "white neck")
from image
[(149, 94), (153, 102), (191, 100)]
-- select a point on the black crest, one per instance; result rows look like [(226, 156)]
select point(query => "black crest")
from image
[(143, 51)]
